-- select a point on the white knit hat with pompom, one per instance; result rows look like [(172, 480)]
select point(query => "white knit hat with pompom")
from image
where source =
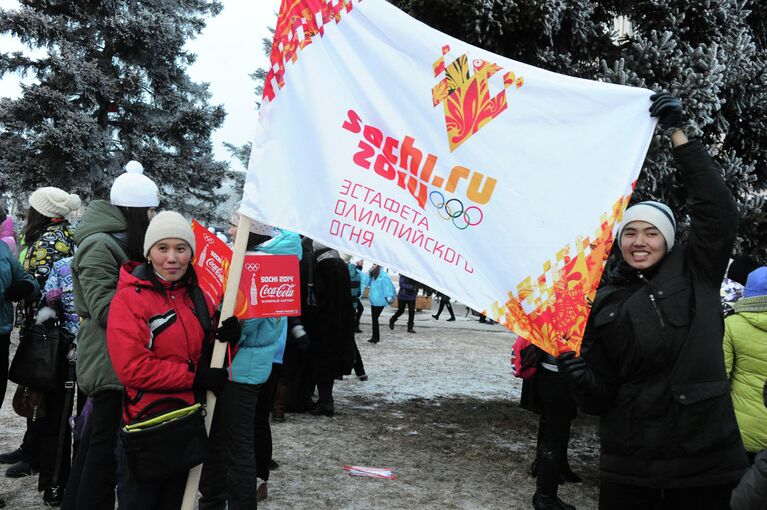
[(54, 202), (134, 189)]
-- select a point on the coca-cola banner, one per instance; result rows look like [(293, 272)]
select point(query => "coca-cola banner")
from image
[(211, 262), (269, 285)]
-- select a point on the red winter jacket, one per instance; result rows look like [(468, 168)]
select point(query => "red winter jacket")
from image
[(154, 340)]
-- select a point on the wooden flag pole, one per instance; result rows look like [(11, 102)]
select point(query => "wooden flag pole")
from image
[(219, 348)]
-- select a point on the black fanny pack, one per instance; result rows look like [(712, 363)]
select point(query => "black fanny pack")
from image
[(166, 444)]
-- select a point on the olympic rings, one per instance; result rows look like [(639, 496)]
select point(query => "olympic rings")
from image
[(453, 210), (208, 238), (252, 267)]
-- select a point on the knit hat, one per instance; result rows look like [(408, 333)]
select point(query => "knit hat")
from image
[(168, 225), (657, 214), (740, 267), (756, 285), (53, 202), (256, 227), (134, 189)]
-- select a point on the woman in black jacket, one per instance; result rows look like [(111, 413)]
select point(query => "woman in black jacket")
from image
[(652, 364)]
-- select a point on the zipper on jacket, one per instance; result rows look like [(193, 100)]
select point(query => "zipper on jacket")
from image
[(652, 300)]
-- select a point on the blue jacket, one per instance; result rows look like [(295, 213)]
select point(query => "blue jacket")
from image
[(10, 273), (382, 291), (260, 339)]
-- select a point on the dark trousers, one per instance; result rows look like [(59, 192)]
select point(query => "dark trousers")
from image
[(229, 474), (49, 433), (143, 495), (262, 429), (558, 409), (375, 311), (359, 367), (41, 439), (445, 303), (401, 309), (93, 478), (617, 496), (358, 309), (5, 344)]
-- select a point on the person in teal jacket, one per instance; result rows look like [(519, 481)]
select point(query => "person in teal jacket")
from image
[(229, 475), (15, 285), (382, 293)]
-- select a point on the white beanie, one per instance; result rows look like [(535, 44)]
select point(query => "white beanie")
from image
[(657, 214), (168, 225), (54, 202), (134, 189)]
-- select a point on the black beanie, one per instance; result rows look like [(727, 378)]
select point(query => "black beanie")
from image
[(741, 267)]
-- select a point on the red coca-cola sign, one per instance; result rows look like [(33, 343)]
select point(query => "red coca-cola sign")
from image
[(269, 287), (269, 284)]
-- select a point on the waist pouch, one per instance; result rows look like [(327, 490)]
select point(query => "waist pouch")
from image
[(167, 444)]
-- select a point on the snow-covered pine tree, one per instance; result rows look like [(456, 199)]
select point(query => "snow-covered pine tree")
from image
[(111, 86), (711, 54)]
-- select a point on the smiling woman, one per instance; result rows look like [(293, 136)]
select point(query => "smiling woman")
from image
[(160, 301)]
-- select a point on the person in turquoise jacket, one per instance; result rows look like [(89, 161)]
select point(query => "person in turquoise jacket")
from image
[(229, 475), (382, 293), (15, 285)]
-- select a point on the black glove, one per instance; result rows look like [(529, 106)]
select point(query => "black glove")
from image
[(300, 337), (209, 378), (229, 331), (668, 109), (576, 373), (19, 290)]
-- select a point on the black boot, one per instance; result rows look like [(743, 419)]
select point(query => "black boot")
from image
[(567, 474), (324, 408), (548, 467)]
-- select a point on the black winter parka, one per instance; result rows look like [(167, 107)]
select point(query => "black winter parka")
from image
[(654, 341)]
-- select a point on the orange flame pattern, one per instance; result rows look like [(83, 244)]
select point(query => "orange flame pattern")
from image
[(298, 22), (552, 310), (466, 98)]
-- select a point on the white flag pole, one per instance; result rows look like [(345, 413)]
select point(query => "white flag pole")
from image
[(219, 348)]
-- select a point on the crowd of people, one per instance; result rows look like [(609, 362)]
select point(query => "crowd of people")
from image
[(682, 393)]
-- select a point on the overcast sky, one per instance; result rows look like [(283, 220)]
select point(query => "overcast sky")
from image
[(228, 50)]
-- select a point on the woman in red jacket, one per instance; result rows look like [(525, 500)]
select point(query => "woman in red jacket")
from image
[(158, 329)]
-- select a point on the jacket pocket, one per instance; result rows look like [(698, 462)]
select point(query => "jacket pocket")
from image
[(674, 297), (619, 427), (703, 416)]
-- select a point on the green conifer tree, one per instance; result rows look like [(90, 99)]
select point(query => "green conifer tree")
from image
[(111, 86)]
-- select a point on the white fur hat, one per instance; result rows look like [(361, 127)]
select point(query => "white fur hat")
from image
[(657, 214), (134, 189), (168, 225), (54, 202)]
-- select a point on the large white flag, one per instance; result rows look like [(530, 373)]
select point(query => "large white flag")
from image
[(492, 181)]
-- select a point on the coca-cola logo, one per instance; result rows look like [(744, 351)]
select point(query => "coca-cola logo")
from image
[(285, 290), (214, 268)]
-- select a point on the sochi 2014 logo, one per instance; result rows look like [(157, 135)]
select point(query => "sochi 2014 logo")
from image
[(465, 96)]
